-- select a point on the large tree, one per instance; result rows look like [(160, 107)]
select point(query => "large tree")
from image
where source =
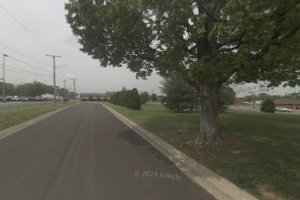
[(210, 42)]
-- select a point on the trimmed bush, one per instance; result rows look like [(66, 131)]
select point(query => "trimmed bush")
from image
[(135, 102), (268, 106), (127, 98), (153, 97)]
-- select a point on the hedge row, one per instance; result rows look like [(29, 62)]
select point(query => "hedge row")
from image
[(127, 98)]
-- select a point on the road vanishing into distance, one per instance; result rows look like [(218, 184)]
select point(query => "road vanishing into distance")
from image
[(16, 105), (86, 153)]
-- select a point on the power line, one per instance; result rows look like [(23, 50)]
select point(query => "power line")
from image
[(22, 70), (30, 65), (26, 71), (24, 55), (22, 26), (25, 63)]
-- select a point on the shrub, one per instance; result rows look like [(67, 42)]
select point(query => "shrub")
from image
[(268, 106), (153, 97), (144, 97), (127, 98), (135, 102)]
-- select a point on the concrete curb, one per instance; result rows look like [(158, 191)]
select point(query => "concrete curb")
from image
[(11, 130), (216, 185)]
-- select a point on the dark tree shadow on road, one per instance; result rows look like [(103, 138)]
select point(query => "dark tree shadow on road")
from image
[(135, 139)]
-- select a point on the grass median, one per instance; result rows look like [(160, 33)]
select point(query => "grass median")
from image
[(261, 152), (9, 118)]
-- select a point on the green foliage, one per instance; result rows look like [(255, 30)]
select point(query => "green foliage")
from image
[(30, 89), (127, 98), (144, 97), (153, 97), (268, 106), (134, 100), (178, 94), (227, 95), (222, 108), (264, 96), (9, 89), (34, 89), (226, 98), (208, 42)]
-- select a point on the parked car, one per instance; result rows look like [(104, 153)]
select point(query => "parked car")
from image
[(24, 98), (15, 98), (9, 98), (30, 98), (38, 98), (283, 109)]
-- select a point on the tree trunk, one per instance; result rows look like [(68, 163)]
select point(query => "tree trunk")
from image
[(209, 120)]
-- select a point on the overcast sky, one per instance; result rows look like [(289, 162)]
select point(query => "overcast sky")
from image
[(33, 28), (30, 29)]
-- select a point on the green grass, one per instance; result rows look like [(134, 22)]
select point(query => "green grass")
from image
[(10, 118), (261, 153)]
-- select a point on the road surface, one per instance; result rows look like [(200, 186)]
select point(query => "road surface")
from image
[(86, 153), (16, 105)]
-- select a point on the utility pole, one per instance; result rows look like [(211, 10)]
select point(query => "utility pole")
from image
[(3, 79), (74, 85), (65, 93), (54, 75), (64, 83)]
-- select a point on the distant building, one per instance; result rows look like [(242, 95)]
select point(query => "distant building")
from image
[(95, 96), (241, 101), (287, 103)]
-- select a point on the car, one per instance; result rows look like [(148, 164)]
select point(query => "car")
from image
[(38, 98), (24, 99), (30, 98), (15, 98), (9, 98), (283, 109)]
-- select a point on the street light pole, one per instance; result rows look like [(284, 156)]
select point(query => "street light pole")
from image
[(3, 79)]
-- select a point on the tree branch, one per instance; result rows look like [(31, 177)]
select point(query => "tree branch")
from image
[(202, 9), (237, 39), (191, 51)]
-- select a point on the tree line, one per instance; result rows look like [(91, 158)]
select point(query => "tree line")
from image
[(127, 98), (32, 89), (265, 96)]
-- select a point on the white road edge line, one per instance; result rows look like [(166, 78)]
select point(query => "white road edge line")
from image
[(217, 186)]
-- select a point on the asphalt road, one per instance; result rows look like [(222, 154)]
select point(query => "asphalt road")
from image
[(86, 153), (16, 105)]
